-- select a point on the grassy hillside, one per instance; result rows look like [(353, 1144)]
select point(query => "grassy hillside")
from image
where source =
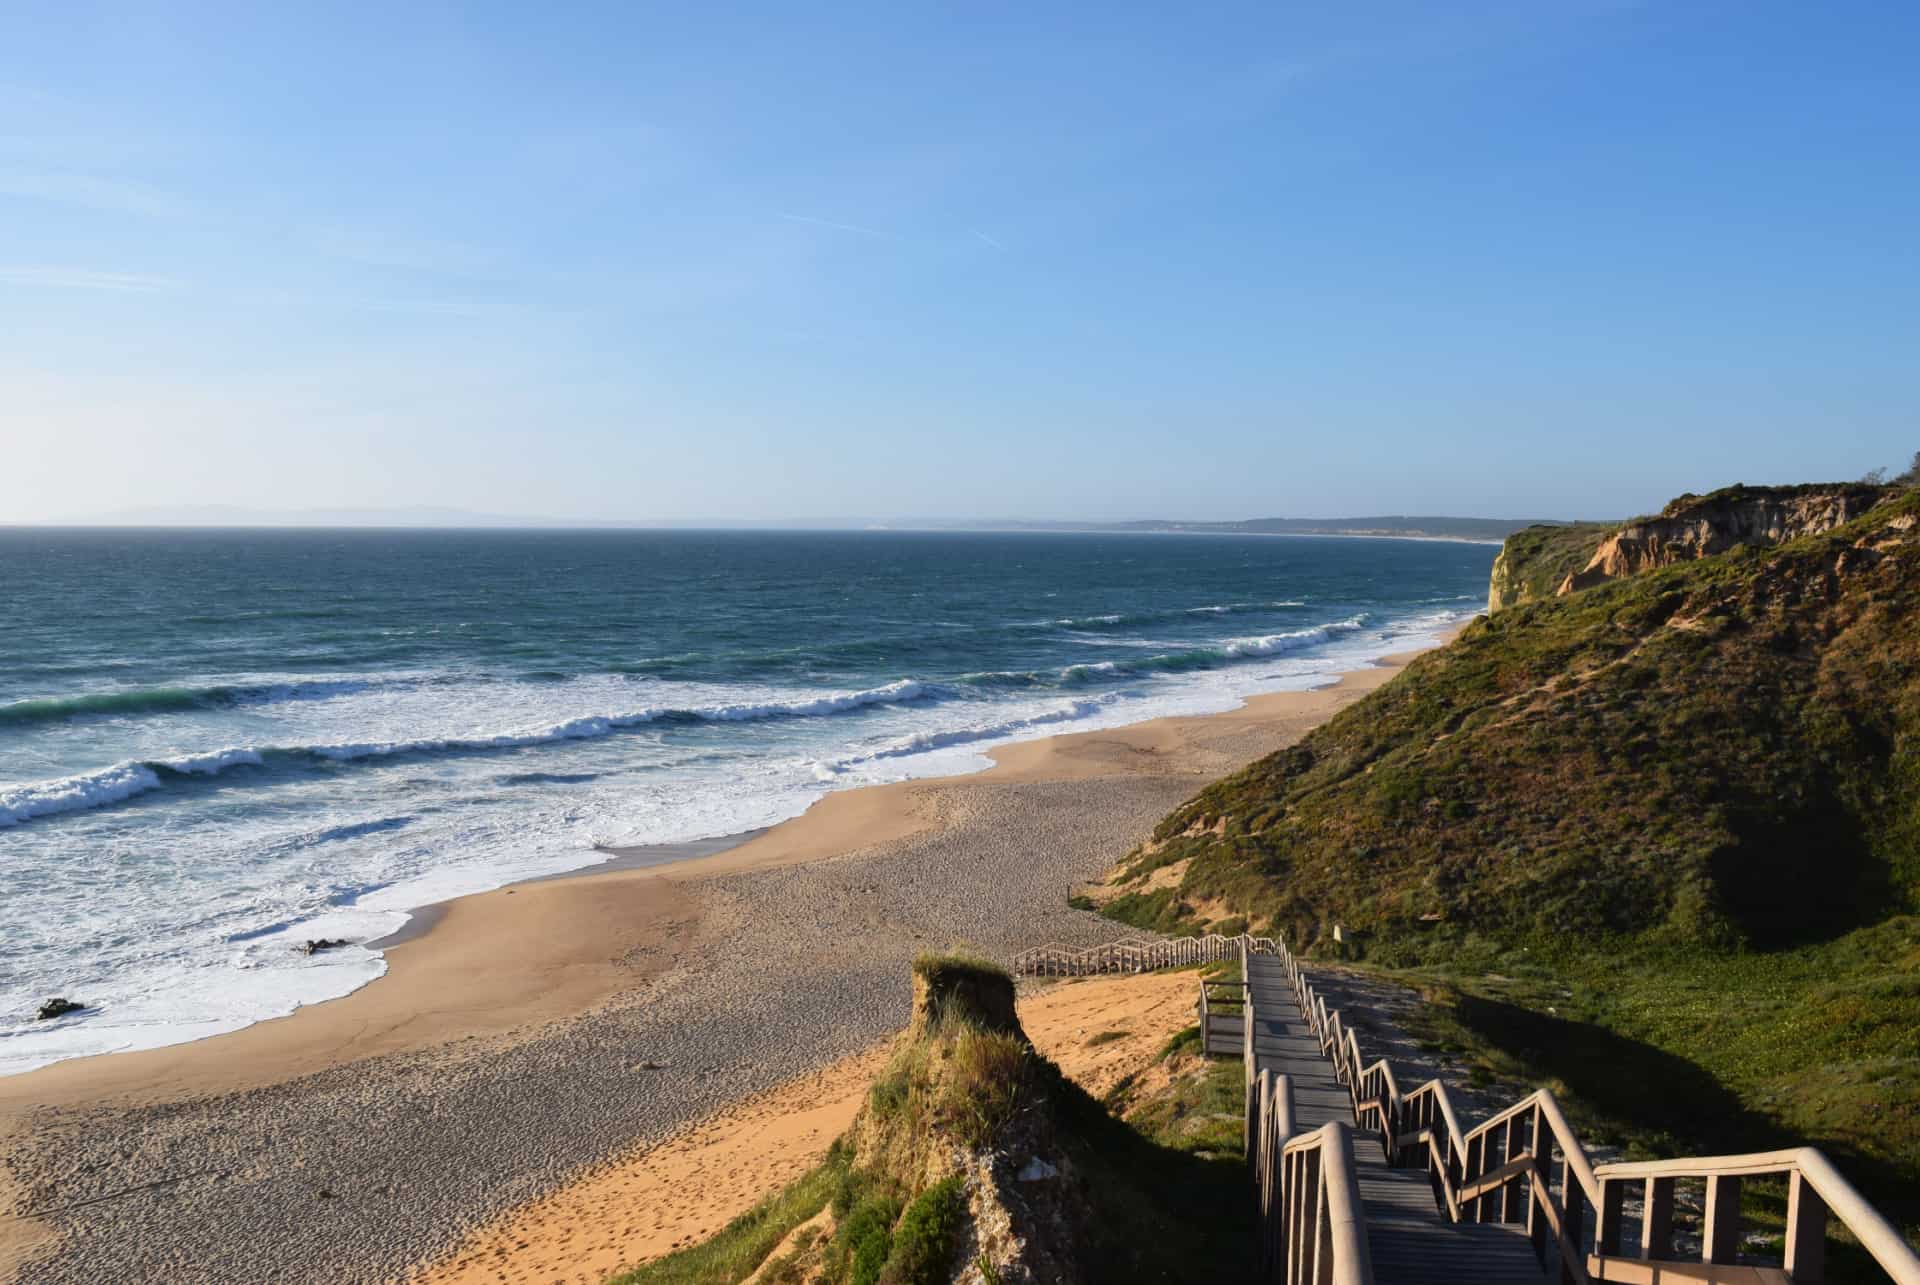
[(1676, 817)]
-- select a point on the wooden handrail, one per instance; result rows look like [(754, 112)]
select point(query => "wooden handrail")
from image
[(1499, 1170), (1325, 1228), (1276, 1130), (1814, 1189)]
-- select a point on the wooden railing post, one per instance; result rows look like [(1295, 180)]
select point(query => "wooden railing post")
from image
[(1540, 1147), (1257, 1134), (1656, 1220), (1275, 1134), (1806, 1257), (1720, 1229), (1303, 1182), (1476, 1166), (1510, 1190), (1322, 1225), (1246, 1046), (1263, 1158), (1349, 1260), (1613, 1211), (1573, 1211)]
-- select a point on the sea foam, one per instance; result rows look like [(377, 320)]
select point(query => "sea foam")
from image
[(123, 780), (72, 793)]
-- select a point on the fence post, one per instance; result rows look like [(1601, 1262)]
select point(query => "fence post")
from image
[(1612, 1212), (1720, 1232), (1509, 1190), (1656, 1220), (1573, 1209), (1246, 1045), (1806, 1257), (1476, 1164), (1536, 1225), (1257, 1118), (1275, 1142)]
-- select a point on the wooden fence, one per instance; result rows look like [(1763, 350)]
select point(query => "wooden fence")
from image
[(1312, 1222), (1526, 1165), (1137, 955), (1522, 1165)]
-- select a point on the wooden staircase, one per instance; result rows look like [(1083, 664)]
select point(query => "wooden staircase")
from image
[(1359, 1183), (1408, 1241)]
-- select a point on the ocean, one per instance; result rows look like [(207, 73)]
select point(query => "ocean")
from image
[(216, 745)]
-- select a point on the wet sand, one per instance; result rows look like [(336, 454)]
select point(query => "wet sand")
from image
[(529, 1034)]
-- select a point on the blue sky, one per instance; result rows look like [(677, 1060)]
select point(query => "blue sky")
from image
[(1539, 257)]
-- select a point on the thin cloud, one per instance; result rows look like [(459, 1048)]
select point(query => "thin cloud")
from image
[(92, 193), (986, 240), (54, 278), (386, 248), (829, 223)]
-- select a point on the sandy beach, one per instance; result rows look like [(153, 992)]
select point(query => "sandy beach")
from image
[(663, 1196), (532, 1036)]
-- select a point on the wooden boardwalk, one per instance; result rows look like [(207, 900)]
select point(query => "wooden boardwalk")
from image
[(1457, 1201), (1410, 1237)]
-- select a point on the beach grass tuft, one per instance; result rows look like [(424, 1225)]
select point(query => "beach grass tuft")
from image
[(738, 1249)]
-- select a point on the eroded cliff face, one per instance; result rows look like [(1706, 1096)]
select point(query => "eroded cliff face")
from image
[(1502, 591), (1533, 562), (1695, 526)]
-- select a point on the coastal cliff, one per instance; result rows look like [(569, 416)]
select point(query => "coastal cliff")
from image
[(1653, 754), (1696, 526), (1670, 822), (1534, 562)]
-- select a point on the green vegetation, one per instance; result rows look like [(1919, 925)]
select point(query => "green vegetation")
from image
[(1199, 1112), (957, 970), (734, 1252), (1771, 1055), (1657, 757), (1105, 1037), (1159, 911), (1185, 1041), (1162, 1158), (963, 1106), (929, 1231), (860, 1250), (1535, 562), (1657, 842)]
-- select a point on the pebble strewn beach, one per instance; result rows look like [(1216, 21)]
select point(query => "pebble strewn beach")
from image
[(367, 1169)]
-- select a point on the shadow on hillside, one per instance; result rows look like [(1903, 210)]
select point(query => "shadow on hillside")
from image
[(1807, 876), (1648, 1088), (1159, 1213), (1622, 1078)]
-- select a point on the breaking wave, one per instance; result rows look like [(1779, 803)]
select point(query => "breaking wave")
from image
[(1189, 658), (922, 742), (124, 780), (167, 700)]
